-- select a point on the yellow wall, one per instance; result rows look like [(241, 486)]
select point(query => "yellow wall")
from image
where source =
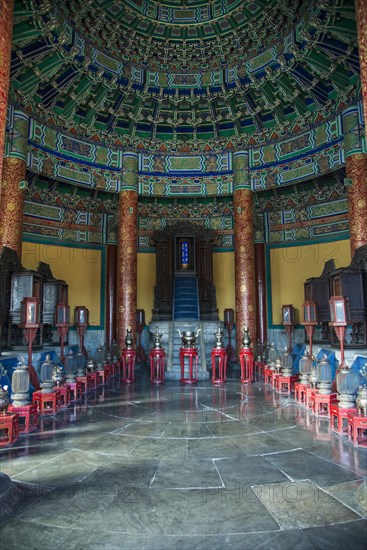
[(291, 266), (79, 267), (223, 274), (146, 277)]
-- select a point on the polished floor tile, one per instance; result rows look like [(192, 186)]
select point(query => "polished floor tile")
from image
[(178, 467)]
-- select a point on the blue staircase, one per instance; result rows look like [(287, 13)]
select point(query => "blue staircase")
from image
[(186, 299)]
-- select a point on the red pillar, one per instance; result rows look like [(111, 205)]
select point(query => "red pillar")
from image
[(260, 277), (111, 293), (361, 15), (6, 33), (357, 199), (12, 204), (244, 249), (127, 249)]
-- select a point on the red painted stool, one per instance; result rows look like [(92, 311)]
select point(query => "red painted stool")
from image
[(247, 365), (48, 403), (76, 390), (275, 378), (9, 429), (357, 429), (93, 380), (339, 418), (85, 382), (157, 358), (259, 367), (191, 354), (285, 384), (219, 359), (268, 374), (110, 370), (102, 377), (322, 403), (300, 392), (64, 395), (28, 417), (310, 398), (128, 357), (117, 368)]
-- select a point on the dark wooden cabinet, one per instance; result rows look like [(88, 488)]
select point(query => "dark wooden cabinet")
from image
[(317, 289), (350, 282), (26, 284)]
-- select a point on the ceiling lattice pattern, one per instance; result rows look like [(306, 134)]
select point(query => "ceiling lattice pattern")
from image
[(140, 71)]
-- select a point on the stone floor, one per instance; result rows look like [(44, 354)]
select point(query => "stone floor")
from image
[(180, 467)]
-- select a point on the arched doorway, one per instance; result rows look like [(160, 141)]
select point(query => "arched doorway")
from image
[(184, 249)]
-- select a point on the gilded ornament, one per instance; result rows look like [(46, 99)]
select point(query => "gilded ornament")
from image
[(361, 203), (10, 206), (243, 288)]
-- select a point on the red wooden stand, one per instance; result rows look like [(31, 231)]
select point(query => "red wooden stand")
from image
[(219, 358), (9, 429), (285, 384), (357, 429), (93, 380), (339, 418), (268, 375), (48, 403), (76, 390), (322, 403), (193, 358), (102, 377), (128, 363), (300, 392), (157, 365), (117, 368), (110, 369), (274, 378), (247, 365), (85, 381), (64, 395), (310, 398), (28, 417), (259, 367)]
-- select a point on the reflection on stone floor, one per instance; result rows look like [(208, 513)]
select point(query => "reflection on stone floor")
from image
[(150, 467)]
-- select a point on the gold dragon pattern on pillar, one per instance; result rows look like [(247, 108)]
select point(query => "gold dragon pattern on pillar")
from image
[(127, 248), (12, 204), (244, 248), (6, 33), (361, 14), (357, 199), (13, 182)]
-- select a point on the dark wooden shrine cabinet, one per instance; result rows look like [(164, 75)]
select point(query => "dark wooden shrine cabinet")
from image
[(55, 291), (17, 283), (199, 264), (9, 264), (317, 289), (351, 281)]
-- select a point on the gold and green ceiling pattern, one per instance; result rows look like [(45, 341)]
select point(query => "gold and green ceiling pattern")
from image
[(147, 74)]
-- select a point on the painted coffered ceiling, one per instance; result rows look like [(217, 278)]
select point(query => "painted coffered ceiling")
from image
[(184, 71)]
